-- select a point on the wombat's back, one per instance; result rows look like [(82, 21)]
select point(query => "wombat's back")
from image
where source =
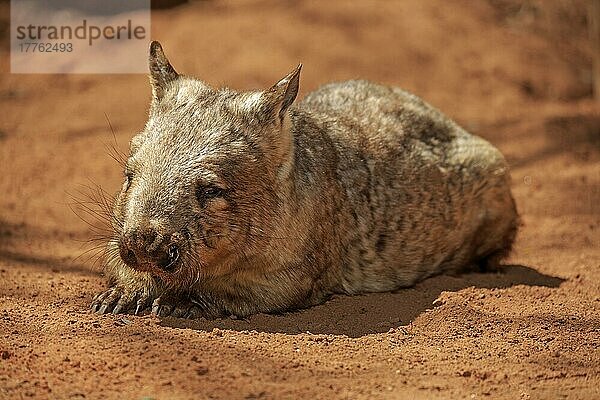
[(418, 195)]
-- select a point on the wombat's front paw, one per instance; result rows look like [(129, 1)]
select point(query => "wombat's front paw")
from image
[(164, 307), (118, 299), (188, 307)]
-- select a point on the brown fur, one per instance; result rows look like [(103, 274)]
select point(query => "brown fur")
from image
[(239, 203)]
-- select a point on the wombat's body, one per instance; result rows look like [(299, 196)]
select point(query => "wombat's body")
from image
[(359, 188)]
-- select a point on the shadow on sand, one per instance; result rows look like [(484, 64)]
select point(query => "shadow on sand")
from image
[(356, 316), (36, 247)]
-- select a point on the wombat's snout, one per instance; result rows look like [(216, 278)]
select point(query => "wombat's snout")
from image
[(147, 246)]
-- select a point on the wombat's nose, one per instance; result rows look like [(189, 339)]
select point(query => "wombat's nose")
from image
[(144, 238), (148, 246)]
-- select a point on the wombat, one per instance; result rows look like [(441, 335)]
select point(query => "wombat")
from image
[(241, 203)]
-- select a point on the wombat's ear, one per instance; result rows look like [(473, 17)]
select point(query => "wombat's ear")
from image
[(281, 95), (161, 71), (274, 104)]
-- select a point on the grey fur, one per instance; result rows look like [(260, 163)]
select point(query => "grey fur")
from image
[(358, 188)]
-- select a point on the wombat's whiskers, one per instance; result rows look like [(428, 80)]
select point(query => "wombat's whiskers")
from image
[(93, 205), (112, 148)]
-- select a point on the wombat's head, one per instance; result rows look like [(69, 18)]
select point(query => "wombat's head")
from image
[(201, 181)]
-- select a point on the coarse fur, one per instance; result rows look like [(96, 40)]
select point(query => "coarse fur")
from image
[(240, 203)]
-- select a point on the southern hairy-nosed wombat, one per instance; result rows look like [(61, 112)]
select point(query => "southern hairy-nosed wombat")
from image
[(240, 203)]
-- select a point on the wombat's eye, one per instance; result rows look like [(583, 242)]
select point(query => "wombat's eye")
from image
[(208, 192)]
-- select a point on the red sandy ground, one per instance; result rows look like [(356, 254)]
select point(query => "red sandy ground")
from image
[(518, 75)]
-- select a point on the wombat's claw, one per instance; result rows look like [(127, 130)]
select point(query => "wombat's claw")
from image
[(142, 303), (179, 310), (94, 305), (156, 306), (161, 310), (104, 301), (98, 304), (116, 300)]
